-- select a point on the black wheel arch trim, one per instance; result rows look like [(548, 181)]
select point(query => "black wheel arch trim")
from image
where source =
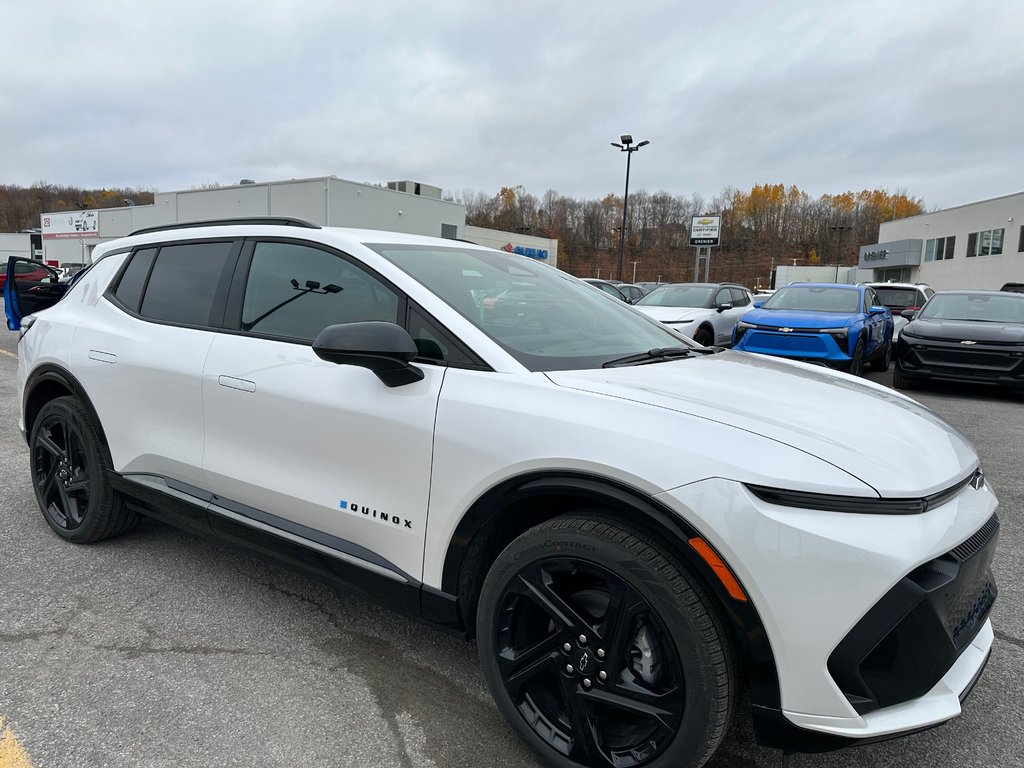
[(742, 617), (49, 372)]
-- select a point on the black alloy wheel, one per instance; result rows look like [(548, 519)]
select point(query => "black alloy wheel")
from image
[(71, 483), (601, 651)]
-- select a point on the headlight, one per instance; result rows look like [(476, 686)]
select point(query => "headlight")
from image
[(739, 329), (839, 334), (677, 322)]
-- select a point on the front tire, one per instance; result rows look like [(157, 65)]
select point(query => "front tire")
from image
[(70, 478), (881, 364), (704, 337), (856, 365), (900, 380), (600, 649)]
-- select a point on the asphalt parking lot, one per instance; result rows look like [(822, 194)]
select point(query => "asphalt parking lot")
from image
[(157, 649)]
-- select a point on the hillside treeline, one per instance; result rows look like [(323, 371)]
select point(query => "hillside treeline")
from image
[(20, 207), (770, 225)]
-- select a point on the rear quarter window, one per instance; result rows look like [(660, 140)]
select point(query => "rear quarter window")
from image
[(184, 282)]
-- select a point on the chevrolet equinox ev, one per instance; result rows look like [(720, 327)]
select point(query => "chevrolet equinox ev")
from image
[(633, 527)]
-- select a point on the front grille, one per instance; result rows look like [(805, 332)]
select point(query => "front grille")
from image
[(967, 359), (911, 637), (787, 342)]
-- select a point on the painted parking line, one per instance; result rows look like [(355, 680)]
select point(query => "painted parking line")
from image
[(12, 754), (9, 354)]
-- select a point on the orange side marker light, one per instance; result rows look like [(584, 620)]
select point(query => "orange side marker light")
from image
[(721, 570)]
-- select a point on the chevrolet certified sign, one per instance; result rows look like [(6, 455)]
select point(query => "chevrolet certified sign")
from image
[(704, 230)]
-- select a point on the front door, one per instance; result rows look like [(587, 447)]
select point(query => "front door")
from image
[(326, 452)]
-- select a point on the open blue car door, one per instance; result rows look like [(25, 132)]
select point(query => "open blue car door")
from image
[(29, 286)]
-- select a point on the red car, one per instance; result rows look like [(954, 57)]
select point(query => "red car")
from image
[(29, 271)]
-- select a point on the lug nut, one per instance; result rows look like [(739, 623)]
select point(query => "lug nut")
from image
[(586, 682), (568, 668), (602, 675), (600, 653), (567, 647), (583, 639)]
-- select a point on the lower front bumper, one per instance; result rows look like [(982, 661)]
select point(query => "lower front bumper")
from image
[(800, 732)]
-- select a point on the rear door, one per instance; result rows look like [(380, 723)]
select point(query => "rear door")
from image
[(29, 286)]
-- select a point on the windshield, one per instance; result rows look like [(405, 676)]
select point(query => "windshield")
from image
[(815, 298), (975, 306), (543, 317), (898, 298), (678, 296)]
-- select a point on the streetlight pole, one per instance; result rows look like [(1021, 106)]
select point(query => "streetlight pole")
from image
[(629, 149), (634, 270), (839, 253)]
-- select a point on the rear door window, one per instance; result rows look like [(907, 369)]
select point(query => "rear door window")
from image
[(186, 283)]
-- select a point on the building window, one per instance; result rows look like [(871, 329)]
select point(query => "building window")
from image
[(449, 231), (939, 248), (988, 242)]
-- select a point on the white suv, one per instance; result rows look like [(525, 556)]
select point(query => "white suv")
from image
[(706, 312), (631, 525)]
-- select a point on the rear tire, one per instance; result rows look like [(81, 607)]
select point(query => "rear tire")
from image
[(642, 636), (70, 477)]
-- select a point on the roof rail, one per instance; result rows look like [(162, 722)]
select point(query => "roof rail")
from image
[(283, 221)]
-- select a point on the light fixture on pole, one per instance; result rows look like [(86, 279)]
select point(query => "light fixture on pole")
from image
[(839, 253), (627, 147)]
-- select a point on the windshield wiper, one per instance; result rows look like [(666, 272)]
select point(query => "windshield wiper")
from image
[(656, 355)]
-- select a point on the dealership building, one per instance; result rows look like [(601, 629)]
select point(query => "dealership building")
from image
[(978, 245), (69, 237)]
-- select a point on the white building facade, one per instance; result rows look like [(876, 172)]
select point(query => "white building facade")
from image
[(978, 245), (69, 237)]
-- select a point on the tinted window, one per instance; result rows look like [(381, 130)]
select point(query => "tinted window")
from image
[(435, 343), (815, 298), (133, 279), (543, 317), (723, 297), (899, 298), (677, 296), (740, 297), (295, 291), (183, 282)]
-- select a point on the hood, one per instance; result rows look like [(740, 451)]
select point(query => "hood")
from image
[(973, 330), (672, 314), (794, 318), (884, 439)]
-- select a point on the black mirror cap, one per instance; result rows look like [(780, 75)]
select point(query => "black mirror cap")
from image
[(384, 348), (723, 307), (908, 313)]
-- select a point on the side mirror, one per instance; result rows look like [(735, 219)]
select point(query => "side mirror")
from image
[(757, 304), (384, 348), (876, 310), (910, 314), (723, 307)]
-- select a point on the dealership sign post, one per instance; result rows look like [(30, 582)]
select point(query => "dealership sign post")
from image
[(705, 232)]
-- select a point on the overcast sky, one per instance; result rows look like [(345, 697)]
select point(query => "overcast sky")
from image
[(474, 95)]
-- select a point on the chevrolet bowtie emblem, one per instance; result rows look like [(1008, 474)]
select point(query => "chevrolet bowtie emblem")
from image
[(968, 343), (786, 330)]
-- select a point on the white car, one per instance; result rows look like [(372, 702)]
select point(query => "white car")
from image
[(898, 297), (631, 525), (706, 312)]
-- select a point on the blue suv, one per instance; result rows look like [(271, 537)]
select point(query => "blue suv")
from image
[(843, 326)]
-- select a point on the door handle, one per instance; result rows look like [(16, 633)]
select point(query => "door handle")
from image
[(231, 382)]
